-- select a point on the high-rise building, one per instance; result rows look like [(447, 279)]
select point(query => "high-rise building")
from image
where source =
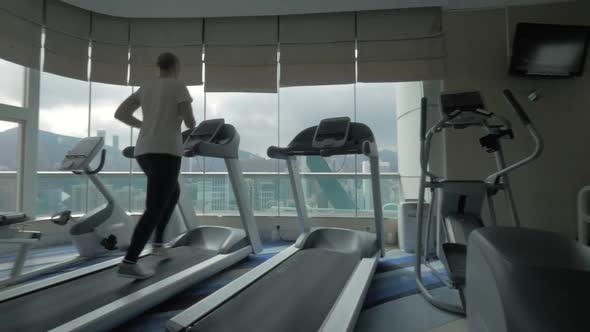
[(116, 142), (383, 166)]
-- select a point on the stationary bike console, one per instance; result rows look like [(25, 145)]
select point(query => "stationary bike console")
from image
[(331, 133), (80, 157)]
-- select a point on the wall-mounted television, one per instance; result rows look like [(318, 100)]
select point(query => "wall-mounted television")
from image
[(549, 50)]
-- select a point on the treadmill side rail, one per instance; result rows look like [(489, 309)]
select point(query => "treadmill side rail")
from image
[(116, 312), (31, 287), (211, 302), (344, 313)]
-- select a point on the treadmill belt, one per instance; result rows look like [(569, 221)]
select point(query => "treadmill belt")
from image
[(51, 307), (295, 296)]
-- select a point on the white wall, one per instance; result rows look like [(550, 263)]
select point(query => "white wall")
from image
[(545, 191)]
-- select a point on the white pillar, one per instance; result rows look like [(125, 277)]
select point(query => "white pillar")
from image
[(408, 97), (30, 138)]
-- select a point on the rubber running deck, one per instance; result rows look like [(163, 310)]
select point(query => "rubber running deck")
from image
[(59, 304), (295, 296)]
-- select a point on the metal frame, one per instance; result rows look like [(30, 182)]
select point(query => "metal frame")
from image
[(28, 119), (211, 302), (247, 215), (494, 183), (345, 310), (133, 304), (31, 287)]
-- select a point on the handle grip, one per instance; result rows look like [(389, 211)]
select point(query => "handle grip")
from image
[(103, 155), (517, 107), (275, 152), (423, 114), (129, 152)]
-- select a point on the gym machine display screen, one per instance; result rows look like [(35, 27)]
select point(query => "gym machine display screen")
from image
[(465, 101), (331, 133)]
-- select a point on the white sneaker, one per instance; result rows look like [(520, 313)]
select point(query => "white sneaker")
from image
[(134, 271), (161, 252)]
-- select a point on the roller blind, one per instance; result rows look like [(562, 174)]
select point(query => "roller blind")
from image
[(241, 54), (150, 37), (400, 45), (143, 63), (66, 55), (166, 32), (109, 29), (109, 63), (20, 40), (317, 49), (67, 19), (110, 38), (30, 10)]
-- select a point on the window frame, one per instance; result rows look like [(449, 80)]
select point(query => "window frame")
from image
[(28, 119)]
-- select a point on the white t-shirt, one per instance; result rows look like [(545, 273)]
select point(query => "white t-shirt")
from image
[(160, 128)]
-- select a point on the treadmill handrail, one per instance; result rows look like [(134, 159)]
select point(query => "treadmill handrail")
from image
[(200, 309)]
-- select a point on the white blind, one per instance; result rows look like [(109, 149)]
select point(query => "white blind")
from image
[(400, 45), (241, 54), (317, 28), (317, 49), (151, 37), (109, 63), (241, 69), (143, 63), (110, 38), (66, 55), (30, 10), (109, 29), (166, 32), (67, 19), (236, 31), (20, 40)]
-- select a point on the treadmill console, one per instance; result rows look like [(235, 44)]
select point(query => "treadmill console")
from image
[(331, 133), (80, 157), (204, 132)]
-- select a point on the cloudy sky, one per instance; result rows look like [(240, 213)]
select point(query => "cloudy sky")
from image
[(65, 105)]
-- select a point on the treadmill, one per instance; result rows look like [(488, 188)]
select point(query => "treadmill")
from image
[(97, 299), (317, 284)]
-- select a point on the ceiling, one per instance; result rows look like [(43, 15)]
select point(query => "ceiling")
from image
[(226, 8)]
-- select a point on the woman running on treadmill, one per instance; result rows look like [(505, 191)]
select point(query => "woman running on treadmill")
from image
[(165, 103)]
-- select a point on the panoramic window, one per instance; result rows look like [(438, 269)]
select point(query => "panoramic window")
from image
[(105, 99), (12, 84), (63, 121), (376, 107), (9, 145), (254, 115)]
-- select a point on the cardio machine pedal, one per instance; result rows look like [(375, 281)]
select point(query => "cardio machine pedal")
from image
[(455, 260), (110, 242)]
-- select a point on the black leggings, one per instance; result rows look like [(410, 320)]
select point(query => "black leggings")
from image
[(162, 195)]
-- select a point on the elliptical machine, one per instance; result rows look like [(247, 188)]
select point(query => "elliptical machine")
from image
[(457, 204)]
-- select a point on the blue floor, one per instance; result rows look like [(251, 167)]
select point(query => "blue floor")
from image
[(393, 290)]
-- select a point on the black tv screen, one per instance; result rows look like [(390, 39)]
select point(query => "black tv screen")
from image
[(549, 50)]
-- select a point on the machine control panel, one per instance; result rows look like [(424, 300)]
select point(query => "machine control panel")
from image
[(80, 157)]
